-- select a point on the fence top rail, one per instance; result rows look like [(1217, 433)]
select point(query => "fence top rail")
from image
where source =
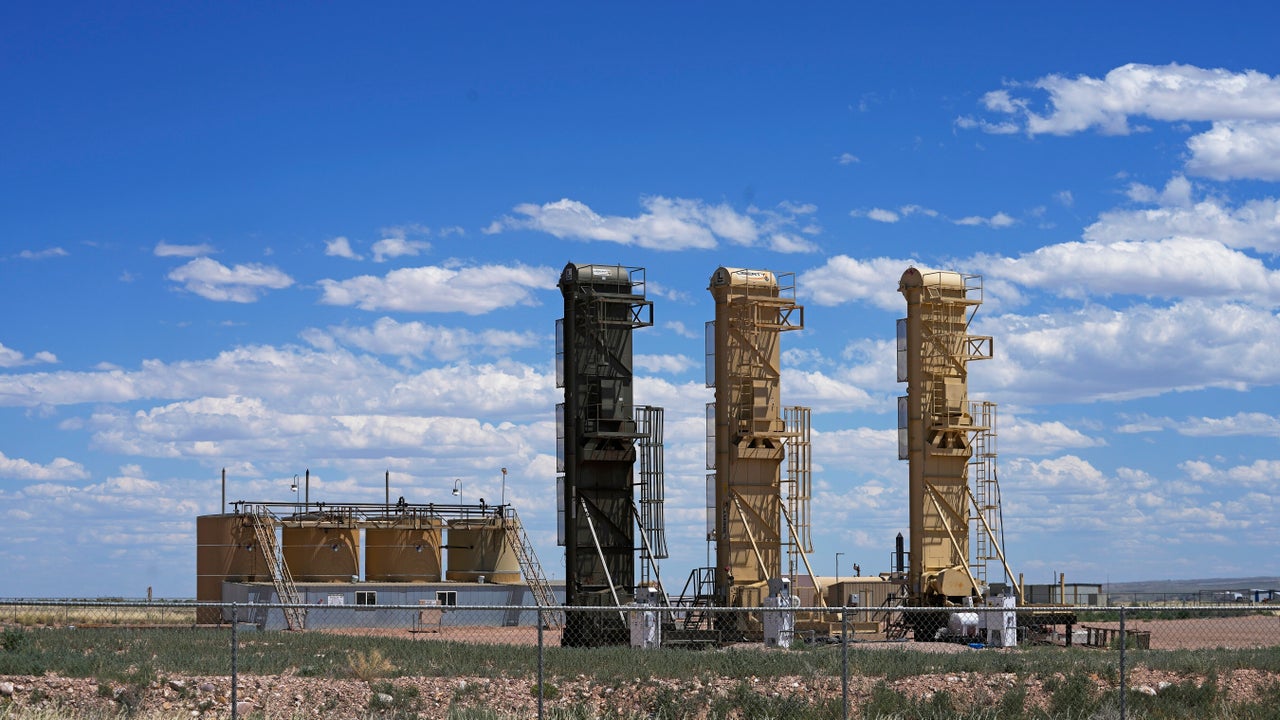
[(1234, 608)]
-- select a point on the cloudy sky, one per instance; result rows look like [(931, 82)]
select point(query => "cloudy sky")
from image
[(272, 241)]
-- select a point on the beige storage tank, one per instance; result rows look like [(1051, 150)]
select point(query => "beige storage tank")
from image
[(403, 554), (226, 549), (322, 554), (479, 549)]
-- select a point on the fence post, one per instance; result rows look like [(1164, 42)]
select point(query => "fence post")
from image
[(1123, 680), (540, 688), (844, 661), (235, 644)]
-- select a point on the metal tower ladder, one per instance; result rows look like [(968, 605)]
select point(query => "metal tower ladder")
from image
[(798, 483), (264, 527), (986, 489), (532, 569), (649, 516)]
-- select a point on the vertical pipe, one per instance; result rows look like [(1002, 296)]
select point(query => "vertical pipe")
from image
[(387, 478), (572, 432), (915, 428), (224, 490), (306, 507), (723, 446), (901, 563)]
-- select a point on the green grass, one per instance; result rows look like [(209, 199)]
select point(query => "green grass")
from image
[(129, 655), (136, 658)]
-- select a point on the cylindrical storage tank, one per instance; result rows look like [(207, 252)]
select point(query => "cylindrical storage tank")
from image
[(740, 277), (596, 274), (479, 548), (403, 554), (322, 554), (226, 549)]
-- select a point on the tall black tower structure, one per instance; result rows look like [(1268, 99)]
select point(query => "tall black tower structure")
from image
[(596, 444)]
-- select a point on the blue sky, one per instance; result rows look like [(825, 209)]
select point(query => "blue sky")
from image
[(272, 239)]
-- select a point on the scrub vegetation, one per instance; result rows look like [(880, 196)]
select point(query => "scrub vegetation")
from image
[(898, 681)]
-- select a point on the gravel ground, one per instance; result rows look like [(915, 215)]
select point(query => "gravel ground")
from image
[(293, 697)]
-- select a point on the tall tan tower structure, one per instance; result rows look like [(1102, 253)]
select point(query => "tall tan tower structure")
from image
[(948, 440), (747, 508)]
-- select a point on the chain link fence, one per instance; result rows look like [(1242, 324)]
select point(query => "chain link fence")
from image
[(78, 659)]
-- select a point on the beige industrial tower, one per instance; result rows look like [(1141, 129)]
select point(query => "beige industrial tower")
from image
[(749, 519), (948, 440)]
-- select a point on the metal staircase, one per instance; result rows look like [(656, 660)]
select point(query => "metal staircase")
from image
[(703, 582), (532, 570), (264, 527)]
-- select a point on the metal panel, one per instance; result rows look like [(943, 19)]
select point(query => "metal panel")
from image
[(402, 554), (321, 554), (479, 551)]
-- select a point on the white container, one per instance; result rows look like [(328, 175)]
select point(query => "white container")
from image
[(963, 624), (780, 624)]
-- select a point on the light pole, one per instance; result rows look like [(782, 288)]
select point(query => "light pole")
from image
[(504, 487), (838, 567), (457, 489), (294, 488)]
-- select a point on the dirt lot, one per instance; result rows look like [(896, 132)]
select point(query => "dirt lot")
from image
[(1248, 631)]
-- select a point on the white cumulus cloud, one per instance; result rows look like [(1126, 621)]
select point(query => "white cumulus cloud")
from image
[(1024, 437), (999, 220), (1171, 268), (665, 224), (58, 469), (1249, 424), (398, 246), (416, 339), (845, 279), (212, 280), (1242, 107), (42, 254), (340, 247), (670, 364), (1241, 149), (167, 249), (1098, 353), (13, 358), (472, 290)]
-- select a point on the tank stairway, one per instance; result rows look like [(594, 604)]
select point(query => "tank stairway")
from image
[(265, 528), (703, 582), (895, 622), (531, 569)]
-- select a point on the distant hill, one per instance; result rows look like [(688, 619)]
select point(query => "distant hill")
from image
[(1204, 586)]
